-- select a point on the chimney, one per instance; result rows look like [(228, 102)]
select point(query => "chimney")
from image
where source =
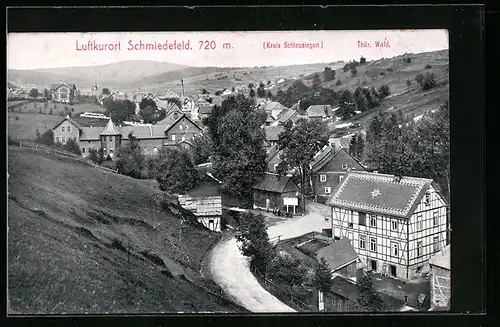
[(397, 179)]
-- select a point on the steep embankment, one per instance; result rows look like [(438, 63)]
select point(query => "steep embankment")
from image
[(82, 239)]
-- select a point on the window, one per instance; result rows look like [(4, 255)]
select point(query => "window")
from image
[(322, 178), (326, 218), (344, 166), (420, 223), (111, 139), (275, 167), (427, 199), (419, 248), (373, 244), (328, 190), (394, 249), (362, 241), (110, 151), (89, 142), (83, 150), (436, 243), (362, 218), (394, 225), (63, 129), (173, 137), (183, 138), (435, 218), (340, 178), (68, 129), (373, 221), (57, 139), (63, 139), (180, 126), (350, 225)]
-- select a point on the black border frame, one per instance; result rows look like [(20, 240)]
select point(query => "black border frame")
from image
[(465, 24)]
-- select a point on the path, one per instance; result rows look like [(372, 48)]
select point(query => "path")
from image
[(231, 270)]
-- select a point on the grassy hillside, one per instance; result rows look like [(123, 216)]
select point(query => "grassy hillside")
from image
[(81, 239)]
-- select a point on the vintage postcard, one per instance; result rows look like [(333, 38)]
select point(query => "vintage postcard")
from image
[(228, 172)]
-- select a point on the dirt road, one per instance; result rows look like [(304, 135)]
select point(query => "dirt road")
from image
[(231, 270)]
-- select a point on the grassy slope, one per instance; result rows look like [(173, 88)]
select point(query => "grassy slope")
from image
[(63, 216)]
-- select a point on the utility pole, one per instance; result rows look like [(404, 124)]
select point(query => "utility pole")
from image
[(180, 231)]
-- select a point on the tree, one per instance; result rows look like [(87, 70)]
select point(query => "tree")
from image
[(250, 85), (316, 83), (287, 270), (46, 94), (322, 279), (384, 91), (105, 91), (368, 298), (261, 91), (201, 149), (329, 74), (237, 138), (148, 114), (100, 154), (252, 93), (426, 81), (408, 82), (119, 110), (269, 94), (34, 93), (299, 143), (360, 98), (354, 71), (254, 241), (176, 173), (356, 146), (347, 104), (129, 159), (233, 89), (372, 96), (46, 138), (72, 146), (50, 111), (338, 82), (362, 60), (204, 91), (94, 156)]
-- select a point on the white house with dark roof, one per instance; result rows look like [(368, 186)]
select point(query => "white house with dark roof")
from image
[(179, 131), (63, 92), (394, 223)]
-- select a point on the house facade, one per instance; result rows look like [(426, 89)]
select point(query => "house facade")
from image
[(274, 193), (328, 168), (395, 223), (206, 209), (63, 92), (273, 159), (151, 138)]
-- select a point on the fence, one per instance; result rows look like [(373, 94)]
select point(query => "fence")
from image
[(283, 295)]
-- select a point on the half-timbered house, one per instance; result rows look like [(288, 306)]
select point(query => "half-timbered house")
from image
[(395, 223)]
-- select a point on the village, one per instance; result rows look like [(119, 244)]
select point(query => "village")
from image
[(358, 221), (142, 186)]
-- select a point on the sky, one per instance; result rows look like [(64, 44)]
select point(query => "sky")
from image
[(247, 49)]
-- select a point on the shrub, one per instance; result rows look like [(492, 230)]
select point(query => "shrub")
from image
[(16, 118), (428, 66), (384, 91), (390, 69), (72, 146), (94, 156), (338, 82), (408, 82), (46, 138), (426, 82), (382, 73), (362, 60), (10, 141), (354, 71)]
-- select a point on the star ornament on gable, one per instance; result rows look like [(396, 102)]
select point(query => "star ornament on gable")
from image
[(375, 192)]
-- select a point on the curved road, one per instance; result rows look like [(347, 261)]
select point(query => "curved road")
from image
[(231, 270)]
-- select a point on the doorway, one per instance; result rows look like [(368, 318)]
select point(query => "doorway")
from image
[(211, 224), (393, 270), (268, 203), (373, 265)]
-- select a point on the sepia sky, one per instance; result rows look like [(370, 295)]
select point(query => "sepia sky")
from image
[(48, 50)]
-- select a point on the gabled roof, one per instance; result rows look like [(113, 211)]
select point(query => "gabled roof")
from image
[(345, 288), (110, 129), (379, 193), (71, 120), (55, 86), (269, 119), (170, 117), (325, 155), (286, 115), (319, 110), (273, 151), (338, 254), (167, 128), (272, 132), (273, 105), (442, 258), (272, 183)]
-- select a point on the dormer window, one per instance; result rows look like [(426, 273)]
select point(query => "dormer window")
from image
[(344, 166)]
